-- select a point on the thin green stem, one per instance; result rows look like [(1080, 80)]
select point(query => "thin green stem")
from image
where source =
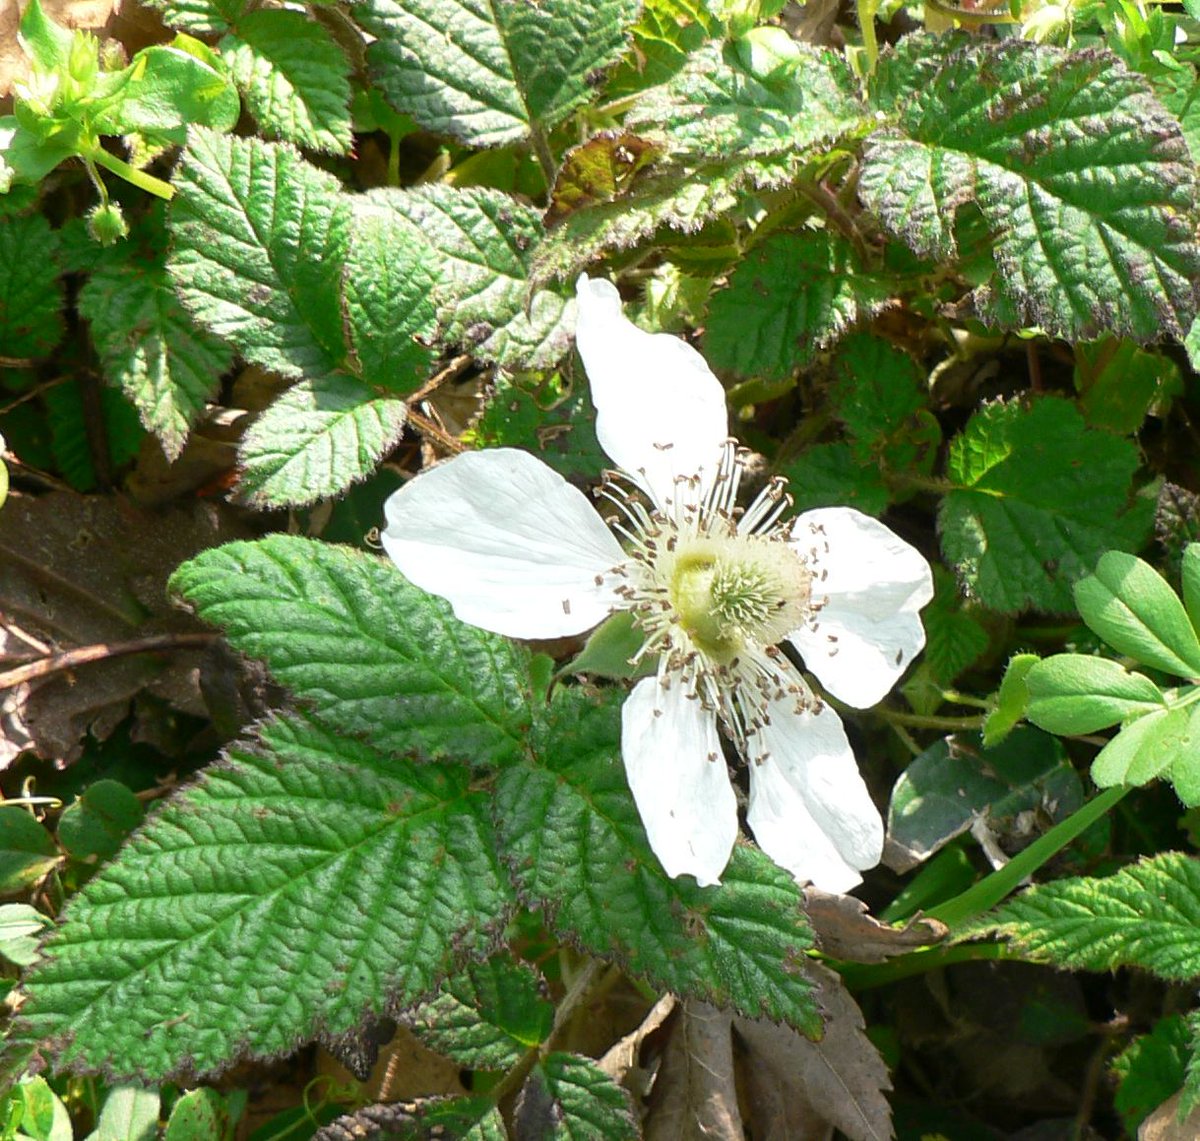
[(866, 24), (863, 976), (990, 890), (131, 174), (929, 721)]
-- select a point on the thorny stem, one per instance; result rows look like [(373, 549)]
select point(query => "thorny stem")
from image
[(100, 651)]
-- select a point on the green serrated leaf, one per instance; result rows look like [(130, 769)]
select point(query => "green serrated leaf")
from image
[(149, 346), (958, 780), (1029, 134), (260, 241), (96, 824), (717, 107), (569, 1098), (1147, 916), (488, 1016), (295, 78), (1012, 699), (830, 475), (204, 17), (317, 439), (31, 297), (294, 888), (1077, 693), (484, 242), (954, 640), (1149, 1071), (1129, 604), (573, 836), (493, 71), (1040, 497), (26, 850), (1119, 383), (391, 278), (371, 654), (787, 300), (666, 34)]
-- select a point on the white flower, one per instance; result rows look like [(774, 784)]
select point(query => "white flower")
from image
[(518, 550)]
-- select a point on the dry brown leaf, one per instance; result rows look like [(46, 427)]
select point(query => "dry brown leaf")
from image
[(694, 1096), (844, 930), (803, 1087), (90, 571), (1164, 1124), (620, 1062)]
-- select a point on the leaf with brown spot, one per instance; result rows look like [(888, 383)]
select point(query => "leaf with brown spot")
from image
[(599, 170)]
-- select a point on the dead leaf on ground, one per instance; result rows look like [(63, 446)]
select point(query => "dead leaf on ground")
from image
[(844, 930), (1164, 1124), (77, 571), (620, 1062)]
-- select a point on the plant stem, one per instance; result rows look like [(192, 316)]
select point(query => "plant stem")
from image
[(131, 174), (990, 890), (866, 24), (863, 976), (929, 721)]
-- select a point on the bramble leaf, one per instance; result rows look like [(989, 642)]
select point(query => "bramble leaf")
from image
[(1078, 693), (371, 654), (568, 1096), (1147, 916), (787, 300), (205, 17), (1129, 604), (31, 297), (572, 834), (295, 78), (830, 475), (260, 241), (484, 242), (1082, 177), (1040, 497), (493, 71), (301, 883)]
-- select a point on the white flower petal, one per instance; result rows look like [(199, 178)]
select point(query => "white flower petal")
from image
[(660, 412), (869, 630), (679, 782), (809, 807), (512, 546)]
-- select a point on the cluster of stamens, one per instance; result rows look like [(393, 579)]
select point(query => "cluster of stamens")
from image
[(715, 588)]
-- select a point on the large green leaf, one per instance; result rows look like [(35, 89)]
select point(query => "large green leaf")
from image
[(571, 831), (488, 71), (1039, 498), (371, 654), (1083, 179), (787, 300), (317, 439), (485, 241), (301, 883), (295, 78), (1147, 915), (260, 244), (149, 346)]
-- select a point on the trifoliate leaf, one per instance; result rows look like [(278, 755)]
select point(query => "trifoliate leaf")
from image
[(493, 71), (484, 241), (260, 242), (391, 276), (370, 653), (1082, 177), (150, 347), (31, 298), (569, 1098), (958, 780), (295, 78), (1040, 497), (1147, 915), (572, 834), (487, 1016), (830, 475), (317, 439), (717, 107), (1077, 693), (301, 884), (786, 301), (1129, 604)]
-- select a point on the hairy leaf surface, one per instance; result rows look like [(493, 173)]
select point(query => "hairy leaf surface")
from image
[(301, 883), (371, 654)]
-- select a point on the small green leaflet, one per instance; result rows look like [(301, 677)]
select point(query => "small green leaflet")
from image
[(301, 883), (494, 71), (787, 300), (294, 76), (571, 832), (368, 652), (1083, 179), (1039, 498), (1074, 694), (1147, 916)]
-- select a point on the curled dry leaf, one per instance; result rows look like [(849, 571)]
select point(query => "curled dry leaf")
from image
[(844, 930)]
